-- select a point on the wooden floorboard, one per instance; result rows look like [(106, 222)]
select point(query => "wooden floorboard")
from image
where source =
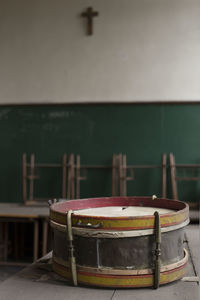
[(38, 281), (176, 291), (34, 283), (192, 233), (8, 271), (19, 289)]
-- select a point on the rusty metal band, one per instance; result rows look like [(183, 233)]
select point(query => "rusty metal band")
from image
[(107, 277)]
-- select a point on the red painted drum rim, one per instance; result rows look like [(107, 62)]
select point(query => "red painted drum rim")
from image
[(181, 212), (144, 278)]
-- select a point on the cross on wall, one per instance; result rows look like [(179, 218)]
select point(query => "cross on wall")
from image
[(90, 14)]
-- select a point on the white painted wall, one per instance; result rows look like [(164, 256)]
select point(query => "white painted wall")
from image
[(141, 50)]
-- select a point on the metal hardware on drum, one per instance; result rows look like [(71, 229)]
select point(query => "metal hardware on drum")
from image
[(157, 250)]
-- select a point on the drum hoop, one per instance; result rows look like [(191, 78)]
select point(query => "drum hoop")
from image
[(114, 234), (123, 223), (112, 271)]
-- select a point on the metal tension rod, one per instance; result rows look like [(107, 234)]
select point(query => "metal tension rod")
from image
[(157, 250), (72, 258)]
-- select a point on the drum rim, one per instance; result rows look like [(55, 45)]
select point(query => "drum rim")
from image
[(180, 214), (125, 271), (169, 274), (114, 234)]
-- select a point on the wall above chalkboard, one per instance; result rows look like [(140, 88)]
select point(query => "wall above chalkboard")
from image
[(142, 51)]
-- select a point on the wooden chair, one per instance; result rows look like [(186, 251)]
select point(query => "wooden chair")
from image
[(175, 178), (120, 178)]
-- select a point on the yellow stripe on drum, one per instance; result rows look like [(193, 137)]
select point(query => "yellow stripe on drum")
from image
[(120, 281), (125, 223)]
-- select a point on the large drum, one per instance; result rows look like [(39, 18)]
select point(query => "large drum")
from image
[(119, 241)]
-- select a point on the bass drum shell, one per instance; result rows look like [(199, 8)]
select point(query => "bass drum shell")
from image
[(107, 260)]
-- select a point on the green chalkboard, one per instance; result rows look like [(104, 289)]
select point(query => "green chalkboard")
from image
[(142, 131)]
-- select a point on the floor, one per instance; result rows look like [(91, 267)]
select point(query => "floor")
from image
[(8, 271), (39, 282)]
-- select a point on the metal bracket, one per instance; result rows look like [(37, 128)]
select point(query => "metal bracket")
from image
[(89, 225), (52, 201), (157, 251)]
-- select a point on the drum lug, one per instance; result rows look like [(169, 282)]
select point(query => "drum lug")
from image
[(52, 201), (89, 225), (157, 251)]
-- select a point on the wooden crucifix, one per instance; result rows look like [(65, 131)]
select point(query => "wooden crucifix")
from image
[(90, 14)]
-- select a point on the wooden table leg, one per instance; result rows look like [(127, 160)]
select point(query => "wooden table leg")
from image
[(114, 171), (45, 236), (22, 232), (173, 176), (78, 165), (16, 235), (64, 175), (164, 175), (6, 242), (35, 240), (121, 181), (1, 241), (124, 168)]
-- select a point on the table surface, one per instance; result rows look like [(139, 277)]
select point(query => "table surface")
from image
[(17, 210), (38, 281)]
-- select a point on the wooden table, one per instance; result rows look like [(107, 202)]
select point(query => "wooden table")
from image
[(15, 212), (38, 281)]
